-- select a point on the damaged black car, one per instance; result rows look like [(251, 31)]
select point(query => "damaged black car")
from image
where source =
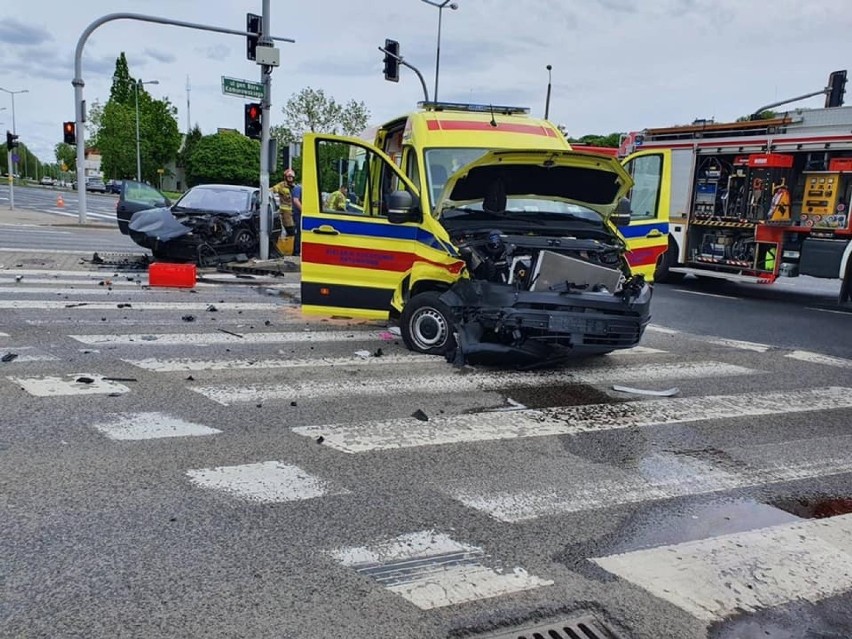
[(210, 223)]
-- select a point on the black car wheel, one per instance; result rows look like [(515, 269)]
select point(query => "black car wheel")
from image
[(245, 241), (427, 325)]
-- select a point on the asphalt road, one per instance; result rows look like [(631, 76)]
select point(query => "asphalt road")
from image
[(252, 473), (99, 208)]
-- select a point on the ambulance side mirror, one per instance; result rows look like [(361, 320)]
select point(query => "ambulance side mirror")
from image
[(621, 215), (402, 208)]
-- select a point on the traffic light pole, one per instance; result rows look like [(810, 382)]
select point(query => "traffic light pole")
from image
[(11, 180), (79, 105), (265, 103)]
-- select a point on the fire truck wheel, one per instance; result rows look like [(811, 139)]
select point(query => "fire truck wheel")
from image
[(846, 285), (667, 260)]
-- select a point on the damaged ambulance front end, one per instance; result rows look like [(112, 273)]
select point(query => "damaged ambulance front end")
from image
[(547, 277)]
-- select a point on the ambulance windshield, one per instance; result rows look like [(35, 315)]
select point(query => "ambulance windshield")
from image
[(442, 163)]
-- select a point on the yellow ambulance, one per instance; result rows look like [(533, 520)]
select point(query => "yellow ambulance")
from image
[(478, 229)]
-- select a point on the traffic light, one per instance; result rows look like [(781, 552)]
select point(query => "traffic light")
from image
[(69, 133), (11, 141), (392, 60), (254, 120), (837, 87), (253, 22)]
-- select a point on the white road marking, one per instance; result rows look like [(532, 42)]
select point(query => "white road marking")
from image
[(819, 358), (724, 297), (54, 386), (828, 310), (661, 329), (52, 273), (265, 482), (198, 339), (93, 305), (4, 334), (570, 420), (735, 343), (431, 570), (50, 252), (76, 288), (174, 365), (683, 478), (636, 350), (453, 382), (27, 354), (745, 572), (136, 426)]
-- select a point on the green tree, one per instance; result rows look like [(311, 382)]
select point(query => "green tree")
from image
[(594, 139), (112, 128), (224, 158), (189, 143), (312, 111), (65, 153), (763, 115)]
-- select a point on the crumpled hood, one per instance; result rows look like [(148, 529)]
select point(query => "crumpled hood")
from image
[(594, 181), (158, 224)]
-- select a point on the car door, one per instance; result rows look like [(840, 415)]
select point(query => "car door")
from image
[(136, 196), (352, 259), (650, 198)]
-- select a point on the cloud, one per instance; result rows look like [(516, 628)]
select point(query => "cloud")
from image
[(13, 31), (217, 52), (160, 56)]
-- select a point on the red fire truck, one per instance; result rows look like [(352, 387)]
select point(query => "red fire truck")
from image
[(755, 200)]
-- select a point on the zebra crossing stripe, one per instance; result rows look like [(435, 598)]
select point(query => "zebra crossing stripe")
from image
[(742, 345), (745, 572), (138, 426), (98, 305), (570, 420), (819, 358), (264, 482), (687, 477), (458, 383), (177, 365), (77, 384), (199, 339), (432, 570)]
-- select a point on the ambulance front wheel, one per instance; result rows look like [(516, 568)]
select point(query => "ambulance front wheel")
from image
[(427, 324)]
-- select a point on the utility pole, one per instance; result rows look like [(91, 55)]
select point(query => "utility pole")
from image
[(547, 101), (266, 102), (12, 170), (188, 118)]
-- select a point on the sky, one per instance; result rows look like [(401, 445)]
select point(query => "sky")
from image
[(618, 65)]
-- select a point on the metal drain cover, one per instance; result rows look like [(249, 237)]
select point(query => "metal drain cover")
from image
[(585, 627)]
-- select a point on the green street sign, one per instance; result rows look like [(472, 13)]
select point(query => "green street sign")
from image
[(242, 88)]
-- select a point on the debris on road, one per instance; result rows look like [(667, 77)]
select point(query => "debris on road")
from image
[(419, 414), (395, 330), (222, 330), (84, 380), (120, 379), (211, 308), (77, 304), (125, 305), (8, 357), (320, 439), (188, 318), (364, 354), (671, 392)]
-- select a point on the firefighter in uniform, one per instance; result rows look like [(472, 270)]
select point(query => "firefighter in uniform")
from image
[(284, 190)]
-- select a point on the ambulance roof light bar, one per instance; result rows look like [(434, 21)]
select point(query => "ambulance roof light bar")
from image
[(472, 108)]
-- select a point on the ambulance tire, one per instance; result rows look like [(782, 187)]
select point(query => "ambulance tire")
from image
[(427, 324), (667, 260)]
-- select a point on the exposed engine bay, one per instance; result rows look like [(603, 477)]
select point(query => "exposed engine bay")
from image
[(539, 262), (537, 298)]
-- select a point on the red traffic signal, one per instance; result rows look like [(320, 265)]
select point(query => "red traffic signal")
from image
[(69, 132), (253, 120)]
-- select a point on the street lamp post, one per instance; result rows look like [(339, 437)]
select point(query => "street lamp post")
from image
[(440, 6), (138, 84)]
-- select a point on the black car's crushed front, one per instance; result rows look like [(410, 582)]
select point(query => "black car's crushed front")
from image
[(209, 223)]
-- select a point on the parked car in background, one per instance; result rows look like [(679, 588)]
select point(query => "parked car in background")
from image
[(136, 196), (96, 185), (113, 186), (209, 222), (47, 181)]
